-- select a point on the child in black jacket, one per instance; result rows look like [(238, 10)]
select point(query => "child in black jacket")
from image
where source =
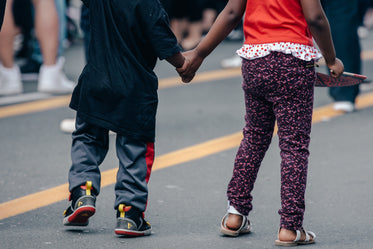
[(117, 91)]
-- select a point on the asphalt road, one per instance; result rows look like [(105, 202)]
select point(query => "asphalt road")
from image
[(198, 128)]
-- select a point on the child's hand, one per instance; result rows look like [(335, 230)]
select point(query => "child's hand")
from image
[(185, 77), (336, 69), (191, 64)]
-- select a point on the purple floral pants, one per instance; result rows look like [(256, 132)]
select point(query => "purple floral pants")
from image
[(277, 87)]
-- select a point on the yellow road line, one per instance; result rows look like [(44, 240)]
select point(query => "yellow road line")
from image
[(59, 193), (36, 106), (367, 55), (202, 77), (48, 104)]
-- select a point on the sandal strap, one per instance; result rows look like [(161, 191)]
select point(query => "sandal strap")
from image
[(224, 220), (299, 234), (244, 224), (307, 236), (307, 233)]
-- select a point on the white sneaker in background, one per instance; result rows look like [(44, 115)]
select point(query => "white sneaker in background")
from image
[(52, 79), (10, 80), (362, 32), (232, 62), (67, 125), (345, 106)]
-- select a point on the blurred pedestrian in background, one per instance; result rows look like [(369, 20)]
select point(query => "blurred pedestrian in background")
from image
[(30, 69), (190, 19), (368, 16), (185, 21), (344, 20), (51, 78), (364, 6)]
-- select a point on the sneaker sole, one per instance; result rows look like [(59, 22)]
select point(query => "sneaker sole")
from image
[(132, 233), (80, 216)]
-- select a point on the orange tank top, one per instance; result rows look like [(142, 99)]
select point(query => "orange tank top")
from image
[(269, 21)]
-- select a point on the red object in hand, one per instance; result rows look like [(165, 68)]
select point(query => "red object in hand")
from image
[(346, 79)]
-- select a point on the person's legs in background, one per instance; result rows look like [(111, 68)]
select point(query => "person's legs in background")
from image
[(23, 18), (344, 19), (51, 78), (30, 69), (47, 30), (368, 17), (178, 22), (363, 31), (10, 77), (194, 13)]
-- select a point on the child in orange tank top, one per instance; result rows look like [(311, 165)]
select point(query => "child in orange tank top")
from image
[(278, 81)]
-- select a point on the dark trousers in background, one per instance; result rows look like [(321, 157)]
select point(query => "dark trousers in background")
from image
[(344, 19)]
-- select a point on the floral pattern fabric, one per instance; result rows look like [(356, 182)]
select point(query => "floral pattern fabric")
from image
[(300, 51), (277, 87)]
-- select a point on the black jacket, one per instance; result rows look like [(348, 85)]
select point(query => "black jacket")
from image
[(117, 89)]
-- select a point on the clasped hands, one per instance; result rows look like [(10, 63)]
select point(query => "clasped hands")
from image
[(191, 64)]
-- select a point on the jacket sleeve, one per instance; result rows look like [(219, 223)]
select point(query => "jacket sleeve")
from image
[(158, 31)]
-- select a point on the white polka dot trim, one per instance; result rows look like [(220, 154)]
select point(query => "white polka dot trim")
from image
[(300, 51)]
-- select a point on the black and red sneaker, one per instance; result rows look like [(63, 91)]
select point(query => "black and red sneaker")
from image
[(131, 222), (83, 200)]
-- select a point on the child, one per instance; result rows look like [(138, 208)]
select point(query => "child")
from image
[(117, 91), (278, 82)]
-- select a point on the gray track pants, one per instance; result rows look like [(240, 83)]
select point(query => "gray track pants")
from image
[(89, 147)]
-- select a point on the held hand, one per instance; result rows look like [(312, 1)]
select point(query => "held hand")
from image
[(336, 69), (185, 77), (191, 65)]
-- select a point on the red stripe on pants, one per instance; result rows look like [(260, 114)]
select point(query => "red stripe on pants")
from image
[(149, 157)]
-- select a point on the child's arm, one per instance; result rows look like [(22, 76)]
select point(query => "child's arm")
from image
[(176, 60), (319, 27), (226, 21), (180, 63)]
